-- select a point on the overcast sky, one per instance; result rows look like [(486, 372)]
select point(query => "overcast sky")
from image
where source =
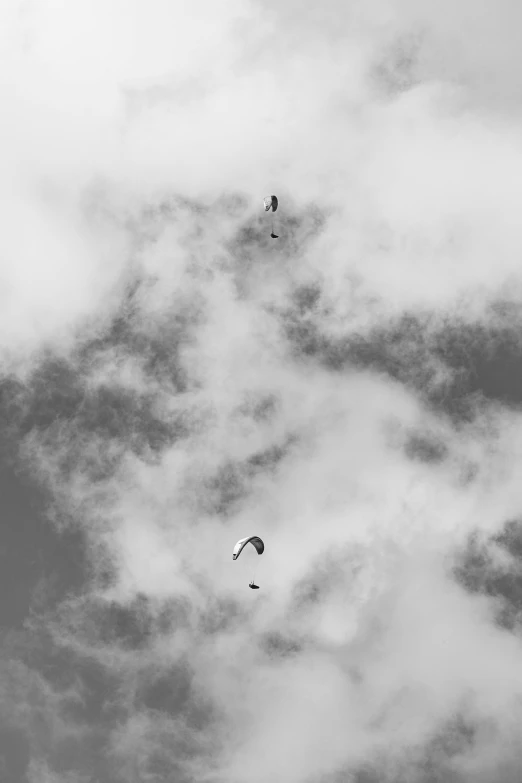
[(172, 379)]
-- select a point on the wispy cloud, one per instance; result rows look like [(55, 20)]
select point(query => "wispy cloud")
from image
[(174, 380)]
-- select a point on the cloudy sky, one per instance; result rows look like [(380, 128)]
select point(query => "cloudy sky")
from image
[(172, 379)]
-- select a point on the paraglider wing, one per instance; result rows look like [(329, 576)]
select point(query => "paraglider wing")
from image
[(270, 202), (254, 540)]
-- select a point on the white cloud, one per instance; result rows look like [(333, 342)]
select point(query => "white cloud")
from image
[(113, 108)]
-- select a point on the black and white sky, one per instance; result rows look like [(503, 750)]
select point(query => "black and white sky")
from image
[(171, 380)]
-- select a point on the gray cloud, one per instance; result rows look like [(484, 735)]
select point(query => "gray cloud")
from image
[(173, 379)]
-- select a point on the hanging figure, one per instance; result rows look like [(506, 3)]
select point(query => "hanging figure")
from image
[(258, 545), (271, 203)]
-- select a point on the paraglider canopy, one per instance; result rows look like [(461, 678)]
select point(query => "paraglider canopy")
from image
[(241, 544), (270, 202)]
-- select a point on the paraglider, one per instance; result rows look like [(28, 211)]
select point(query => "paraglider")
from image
[(256, 542), (271, 203), (258, 545)]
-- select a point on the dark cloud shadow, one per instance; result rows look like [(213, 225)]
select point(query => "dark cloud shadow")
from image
[(478, 571), (455, 367)]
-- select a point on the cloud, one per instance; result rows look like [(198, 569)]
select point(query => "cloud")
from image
[(173, 380)]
